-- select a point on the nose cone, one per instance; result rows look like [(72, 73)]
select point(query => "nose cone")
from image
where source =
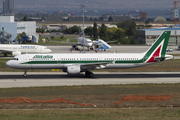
[(49, 50), (89, 44), (9, 63)]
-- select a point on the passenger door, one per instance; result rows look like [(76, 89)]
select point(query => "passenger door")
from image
[(59, 60)]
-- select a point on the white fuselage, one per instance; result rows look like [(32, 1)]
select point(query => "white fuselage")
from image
[(77, 63), (87, 42), (61, 61), (22, 49)]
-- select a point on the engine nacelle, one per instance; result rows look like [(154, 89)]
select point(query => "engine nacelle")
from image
[(73, 70), (16, 53)]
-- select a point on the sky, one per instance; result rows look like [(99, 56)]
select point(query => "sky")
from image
[(93, 4)]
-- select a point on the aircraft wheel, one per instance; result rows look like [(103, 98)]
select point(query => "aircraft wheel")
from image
[(24, 75), (5, 55), (89, 74)]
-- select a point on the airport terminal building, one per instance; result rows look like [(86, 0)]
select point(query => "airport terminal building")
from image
[(10, 29), (148, 36)]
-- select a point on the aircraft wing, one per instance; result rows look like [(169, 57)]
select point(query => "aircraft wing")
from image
[(6, 51), (99, 65)]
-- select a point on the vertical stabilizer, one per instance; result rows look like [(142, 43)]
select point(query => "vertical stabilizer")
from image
[(158, 49)]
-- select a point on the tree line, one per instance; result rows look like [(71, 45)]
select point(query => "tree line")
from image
[(125, 33)]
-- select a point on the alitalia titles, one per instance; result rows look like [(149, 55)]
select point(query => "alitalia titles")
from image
[(43, 57)]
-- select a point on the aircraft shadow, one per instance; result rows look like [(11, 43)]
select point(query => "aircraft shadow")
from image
[(96, 76)]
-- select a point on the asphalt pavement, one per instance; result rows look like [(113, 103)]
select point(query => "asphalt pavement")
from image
[(34, 79)]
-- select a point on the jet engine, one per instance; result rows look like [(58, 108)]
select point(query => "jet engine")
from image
[(73, 70), (16, 53)]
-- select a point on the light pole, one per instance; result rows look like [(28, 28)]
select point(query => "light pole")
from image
[(83, 25)]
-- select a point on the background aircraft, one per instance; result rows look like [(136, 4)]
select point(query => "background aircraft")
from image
[(98, 44), (76, 63), (82, 41), (22, 49)]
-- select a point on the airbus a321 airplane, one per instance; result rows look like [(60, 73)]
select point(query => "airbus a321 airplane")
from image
[(81, 62), (22, 49)]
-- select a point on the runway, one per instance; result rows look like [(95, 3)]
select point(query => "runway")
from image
[(36, 79)]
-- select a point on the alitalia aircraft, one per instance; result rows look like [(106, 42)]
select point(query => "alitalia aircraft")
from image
[(20, 49), (77, 63)]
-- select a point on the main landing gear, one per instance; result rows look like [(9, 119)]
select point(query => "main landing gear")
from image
[(24, 75), (89, 74), (5, 55)]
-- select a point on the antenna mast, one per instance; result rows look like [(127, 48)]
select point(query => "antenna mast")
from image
[(82, 5), (176, 13)]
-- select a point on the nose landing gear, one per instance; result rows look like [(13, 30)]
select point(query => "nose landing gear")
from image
[(24, 75)]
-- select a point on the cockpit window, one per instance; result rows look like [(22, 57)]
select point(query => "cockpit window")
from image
[(15, 59)]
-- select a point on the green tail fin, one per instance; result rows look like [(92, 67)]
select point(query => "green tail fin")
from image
[(158, 49)]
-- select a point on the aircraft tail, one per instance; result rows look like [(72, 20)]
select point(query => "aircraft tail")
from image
[(158, 50)]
